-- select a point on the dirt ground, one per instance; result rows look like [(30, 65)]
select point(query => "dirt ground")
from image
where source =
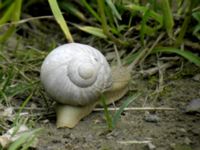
[(173, 129)]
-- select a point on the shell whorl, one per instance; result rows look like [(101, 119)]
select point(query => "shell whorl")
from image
[(75, 74)]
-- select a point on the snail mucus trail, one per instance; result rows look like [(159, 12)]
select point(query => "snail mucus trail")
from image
[(62, 73)]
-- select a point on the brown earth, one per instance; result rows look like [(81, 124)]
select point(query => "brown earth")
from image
[(174, 129)]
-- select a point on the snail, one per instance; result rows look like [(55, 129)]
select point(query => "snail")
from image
[(75, 75)]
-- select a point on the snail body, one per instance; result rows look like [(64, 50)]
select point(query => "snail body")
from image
[(75, 75)]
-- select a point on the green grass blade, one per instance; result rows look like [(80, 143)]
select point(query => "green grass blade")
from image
[(18, 88), (21, 108), (186, 54), (9, 78), (106, 112), (143, 9), (69, 7), (186, 22), (196, 31), (129, 59), (91, 10), (7, 14), (92, 30), (17, 10), (13, 14), (105, 27), (7, 34), (114, 10), (3, 98), (19, 142), (196, 15), (60, 19), (5, 3), (121, 109), (29, 142), (167, 17), (25, 137), (143, 25), (32, 138), (149, 30)]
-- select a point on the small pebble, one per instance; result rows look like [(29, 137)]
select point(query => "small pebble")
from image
[(182, 130), (89, 137), (196, 77), (195, 132), (109, 137), (68, 146), (151, 146), (193, 106), (151, 117), (187, 141), (45, 121), (71, 136)]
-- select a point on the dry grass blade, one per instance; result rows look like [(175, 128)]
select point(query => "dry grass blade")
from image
[(144, 53), (60, 19), (134, 142), (92, 30), (138, 109), (26, 20)]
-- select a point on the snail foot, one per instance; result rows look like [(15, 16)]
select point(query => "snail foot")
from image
[(69, 116)]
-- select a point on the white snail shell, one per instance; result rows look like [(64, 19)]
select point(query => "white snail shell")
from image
[(75, 74)]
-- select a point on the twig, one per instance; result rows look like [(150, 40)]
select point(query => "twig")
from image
[(27, 20), (136, 47), (30, 108), (152, 47), (140, 58), (175, 58), (161, 76), (134, 142), (3, 127), (137, 109), (113, 109), (154, 70), (192, 44)]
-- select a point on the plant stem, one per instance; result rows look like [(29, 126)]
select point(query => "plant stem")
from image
[(105, 27), (184, 27), (91, 10), (106, 112)]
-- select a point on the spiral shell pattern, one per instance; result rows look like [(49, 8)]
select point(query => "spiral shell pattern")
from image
[(75, 74)]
